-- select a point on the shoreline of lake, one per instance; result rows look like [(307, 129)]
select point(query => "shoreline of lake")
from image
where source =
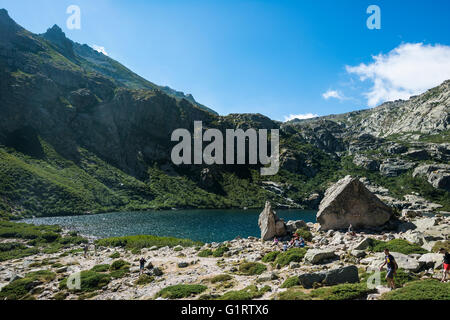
[(201, 225)]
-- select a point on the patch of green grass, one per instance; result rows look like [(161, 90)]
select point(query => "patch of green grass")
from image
[(15, 250), (396, 245), (144, 279), (25, 231), (271, 256), (291, 255), (220, 251), (221, 278), (205, 253), (89, 281), (441, 244), (248, 293), (291, 282), (347, 291), (101, 268), (41, 275), (305, 234), (293, 294), (119, 269), (180, 291), (115, 255), (20, 289), (252, 268), (429, 289), (146, 241)]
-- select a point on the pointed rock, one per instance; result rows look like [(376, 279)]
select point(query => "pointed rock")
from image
[(271, 226), (350, 202)]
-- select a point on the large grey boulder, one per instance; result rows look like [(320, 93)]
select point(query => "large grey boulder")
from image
[(405, 262), (432, 260), (363, 244), (348, 274), (292, 226), (316, 256), (271, 226), (350, 202)]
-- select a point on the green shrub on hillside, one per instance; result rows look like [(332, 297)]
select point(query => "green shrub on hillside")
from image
[(252, 268), (144, 279), (396, 245), (270, 257), (293, 294), (221, 278), (291, 255), (305, 234), (146, 241), (291, 282), (119, 269), (89, 281), (14, 250), (20, 289), (205, 253), (101, 268), (420, 290), (220, 251), (441, 244), (180, 291), (347, 291), (248, 293)]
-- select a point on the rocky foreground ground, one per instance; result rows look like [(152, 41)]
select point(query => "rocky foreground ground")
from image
[(237, 269)]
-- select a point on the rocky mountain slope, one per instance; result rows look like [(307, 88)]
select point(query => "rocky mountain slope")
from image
[(80, 133)]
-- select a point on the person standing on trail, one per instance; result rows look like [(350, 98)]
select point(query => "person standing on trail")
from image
[(142, 262), (392, 267), (86, 248), (446, 264)]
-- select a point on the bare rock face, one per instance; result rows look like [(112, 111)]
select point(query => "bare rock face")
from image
[(271, 226), (350, 202)]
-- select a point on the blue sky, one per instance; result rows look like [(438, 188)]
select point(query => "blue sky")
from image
[(277, 57)]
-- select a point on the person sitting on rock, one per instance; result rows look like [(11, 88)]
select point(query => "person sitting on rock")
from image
[(302, 242), (275, 241), (142, 262), (350, 230), (392, 267), (446, 264), (285, 246)]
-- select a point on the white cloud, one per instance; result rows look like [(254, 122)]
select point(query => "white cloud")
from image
[(99, 49), (300, 116), (333, 94), (409, 69)]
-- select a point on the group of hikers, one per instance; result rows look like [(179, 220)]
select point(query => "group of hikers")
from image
[(389, 261), (392, 267), (296, 242)]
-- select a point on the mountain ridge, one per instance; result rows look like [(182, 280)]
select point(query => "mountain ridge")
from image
[(74, 140)]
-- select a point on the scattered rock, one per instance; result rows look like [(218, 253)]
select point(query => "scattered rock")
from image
[(292, 226), (316, 256)]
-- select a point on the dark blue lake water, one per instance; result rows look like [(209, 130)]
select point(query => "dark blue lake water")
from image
[(202, 225)]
